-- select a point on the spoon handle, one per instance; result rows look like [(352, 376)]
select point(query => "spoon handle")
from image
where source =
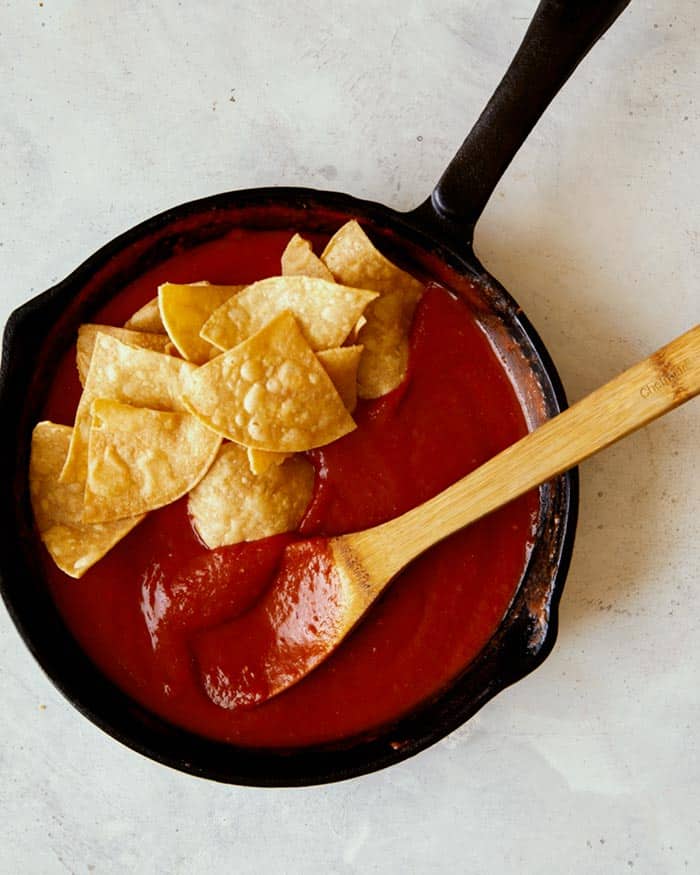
[(646, 391)]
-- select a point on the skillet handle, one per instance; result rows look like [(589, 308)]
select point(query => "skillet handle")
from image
[(559, 36)]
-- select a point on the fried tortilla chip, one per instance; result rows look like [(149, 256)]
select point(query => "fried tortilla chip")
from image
[(74, 545), (231, 504), (326, 312), (147, 319), (385, 339), (184, 309), (88, 333), (341, 366), (260, 460), (141, 459), (298, 259), (269, 392), (123, 373), (354, 261)]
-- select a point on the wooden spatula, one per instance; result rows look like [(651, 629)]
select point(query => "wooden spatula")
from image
[(325, 586)]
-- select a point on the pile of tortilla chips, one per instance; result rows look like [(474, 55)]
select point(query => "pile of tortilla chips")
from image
[(213, 392)]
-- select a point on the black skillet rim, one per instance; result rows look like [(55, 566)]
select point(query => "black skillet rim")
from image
[(515, 650)]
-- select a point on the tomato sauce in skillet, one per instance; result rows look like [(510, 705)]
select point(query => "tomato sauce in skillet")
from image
[(153, 613)]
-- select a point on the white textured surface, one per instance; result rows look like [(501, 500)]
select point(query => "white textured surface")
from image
[(111, 112)]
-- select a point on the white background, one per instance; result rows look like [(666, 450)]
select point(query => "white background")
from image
[(112, 111)]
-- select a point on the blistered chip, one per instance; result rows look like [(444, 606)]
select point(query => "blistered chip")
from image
[(123, 373), (147, 319), (231, 504), (326, 312), (341, 365), (385, 339), (270, 393), (184, 309), (74, 545), (260, 460), (141, 459), (298, 259), (354, 261), (87, 335)]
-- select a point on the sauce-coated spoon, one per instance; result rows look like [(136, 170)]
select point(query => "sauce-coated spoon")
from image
[(326, 585)]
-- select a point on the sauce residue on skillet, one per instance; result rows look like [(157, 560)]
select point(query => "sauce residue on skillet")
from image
[(153, 613)]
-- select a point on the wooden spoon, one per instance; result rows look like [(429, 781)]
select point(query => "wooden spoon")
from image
[(326, 585)]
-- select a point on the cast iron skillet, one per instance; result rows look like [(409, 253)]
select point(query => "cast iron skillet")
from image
[(437, 237)]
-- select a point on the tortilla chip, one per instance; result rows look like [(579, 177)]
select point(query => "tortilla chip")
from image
[(385, 339), (298, 259), (88, 333), (147, 319), (260, 460), (231, 504), (354, 261), (141, 459), (123, 373), (341, 366), (269, 392), (326, 311), (74, 545), (184, 309)]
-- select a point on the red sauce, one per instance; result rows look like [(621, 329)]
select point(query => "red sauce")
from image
[(154, 614)]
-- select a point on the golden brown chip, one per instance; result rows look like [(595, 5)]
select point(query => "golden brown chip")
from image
[(141, 459), (88, 333), (353, 259), (123, 373), (341, 366), (147, 319), (270, 393), (231, 504), (326, 312), (298, 259), (260, 460), (184, 309), (385, 339), (74, 545)]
